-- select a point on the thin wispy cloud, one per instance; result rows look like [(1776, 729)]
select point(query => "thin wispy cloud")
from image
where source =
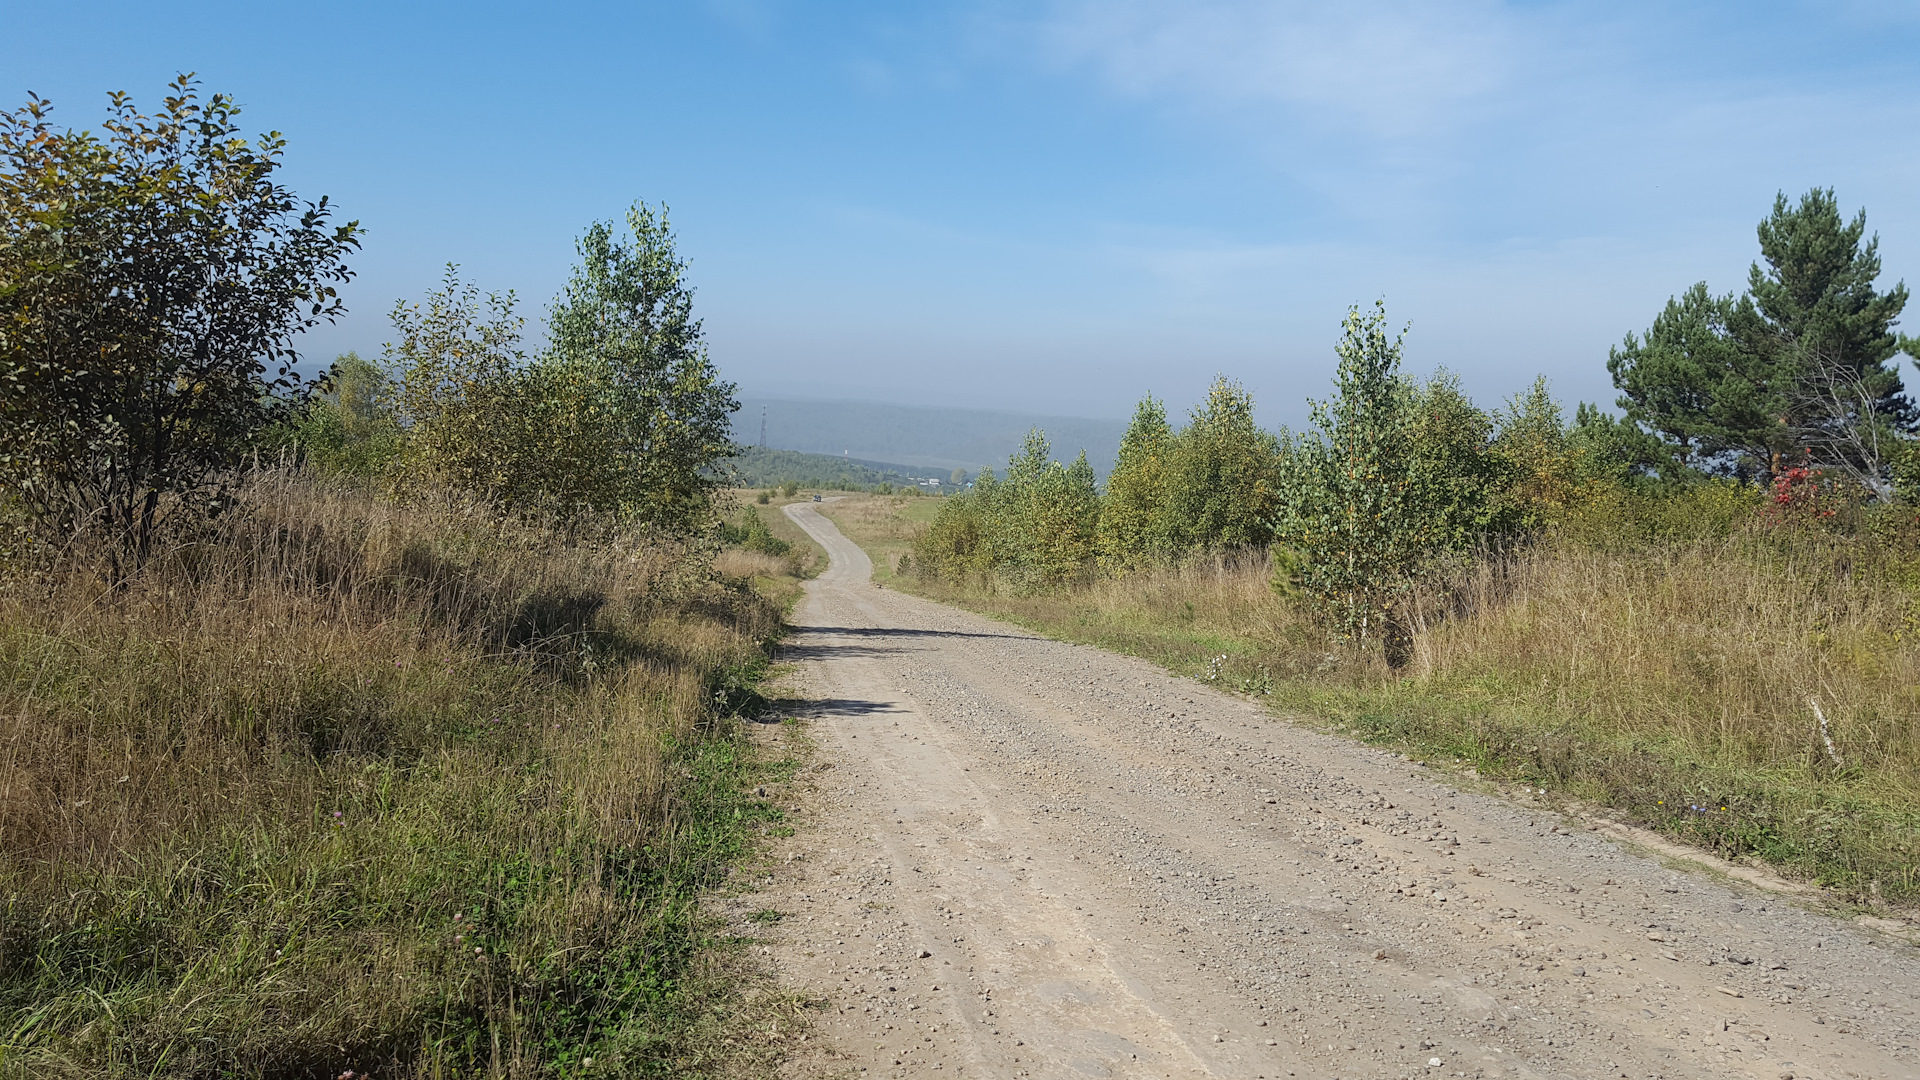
[(1396, 68)]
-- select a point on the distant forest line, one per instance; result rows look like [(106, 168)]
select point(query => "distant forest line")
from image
[(760, 467)]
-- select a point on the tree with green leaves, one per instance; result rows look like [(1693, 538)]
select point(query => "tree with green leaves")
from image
[(1348, 509), (622, 418), (1045, 514), (1221, 476), (1538, 452), (348, 427), (153, 281), (627, 352), (1794, 372), (956, 544), (1132, 528), (463, 402), (1458, 476), (1395, 479), (1033, 528)]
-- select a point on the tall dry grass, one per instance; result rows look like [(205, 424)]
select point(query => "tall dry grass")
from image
[(1669, 680), (1724, 645), (349, 785)]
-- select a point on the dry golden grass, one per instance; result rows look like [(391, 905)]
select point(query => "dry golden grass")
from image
[(348, 785), (740, 563), (1720, 645)]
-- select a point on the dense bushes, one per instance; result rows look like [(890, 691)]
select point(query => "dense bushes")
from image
[(1035, 527), (622, 418), (1209, 485), (753, 534)]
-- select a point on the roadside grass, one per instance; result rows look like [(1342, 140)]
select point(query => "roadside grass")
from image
[(808, 558), (1669, 681), (347, 785), (884, 526)]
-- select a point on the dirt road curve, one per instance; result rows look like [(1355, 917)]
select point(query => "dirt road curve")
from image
[(1028, 858)]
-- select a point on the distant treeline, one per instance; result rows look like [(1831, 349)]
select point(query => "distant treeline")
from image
[(758, 467), (937, 438)]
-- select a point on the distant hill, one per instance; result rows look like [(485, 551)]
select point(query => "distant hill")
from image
[(755, 467), (928, 437)]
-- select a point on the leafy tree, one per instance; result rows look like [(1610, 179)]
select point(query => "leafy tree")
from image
[(1211, 484), (1795, 372), (1221, 476), (648, 414), (153, 280), (956, 545), (349, 427), (1538, 453), (1045, 515), (1460, 481), (1348, 509), (1394, 480), (463, 402), (1133, 513)]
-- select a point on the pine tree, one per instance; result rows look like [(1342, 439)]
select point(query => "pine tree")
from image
[(1794, 372)]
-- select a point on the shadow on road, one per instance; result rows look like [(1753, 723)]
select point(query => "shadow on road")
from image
[(818, 709), (805, 643), (849, 707)]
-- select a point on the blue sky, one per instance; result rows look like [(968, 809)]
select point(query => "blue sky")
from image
[(1057, 206)]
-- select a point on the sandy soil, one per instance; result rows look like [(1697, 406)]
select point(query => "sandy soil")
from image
[(1021, 857)]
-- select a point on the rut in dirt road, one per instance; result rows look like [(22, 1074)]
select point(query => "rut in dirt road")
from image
[(1038, 859)]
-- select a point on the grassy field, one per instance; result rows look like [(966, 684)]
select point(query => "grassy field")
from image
[(1675, 683), (884, 526), (347, 785)]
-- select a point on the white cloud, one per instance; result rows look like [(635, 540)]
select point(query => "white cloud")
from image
[(1397, 67)]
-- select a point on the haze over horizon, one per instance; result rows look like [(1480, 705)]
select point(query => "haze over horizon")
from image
[(1054, 208)]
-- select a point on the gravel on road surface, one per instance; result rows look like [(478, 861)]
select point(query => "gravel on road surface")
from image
[(1023, 857)]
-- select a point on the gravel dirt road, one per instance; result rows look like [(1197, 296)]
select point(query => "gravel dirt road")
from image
[(1021, 857)]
